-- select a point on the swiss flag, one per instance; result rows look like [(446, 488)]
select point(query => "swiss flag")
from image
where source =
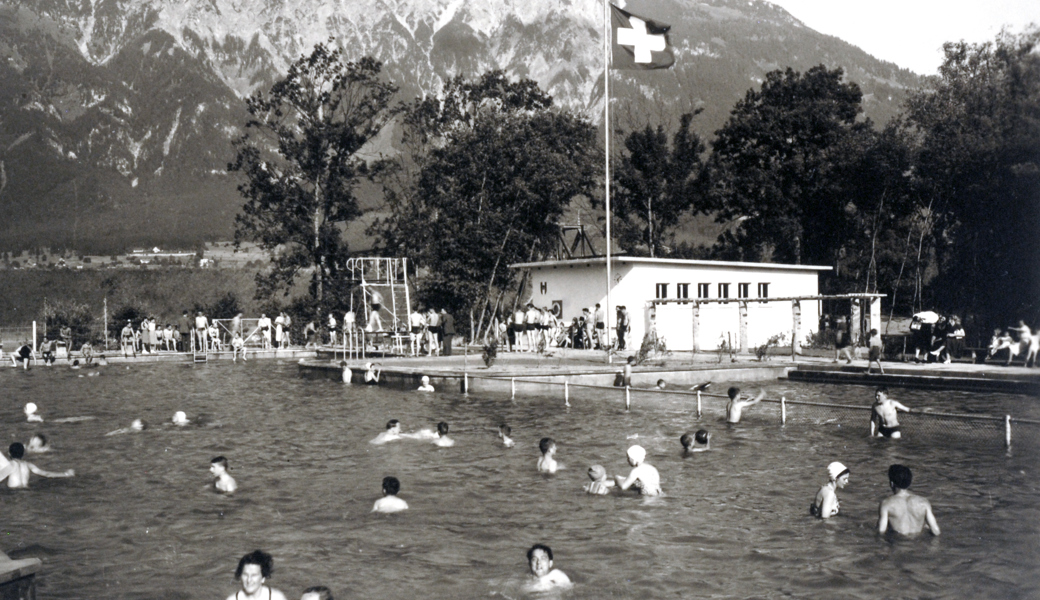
[(639, 43)]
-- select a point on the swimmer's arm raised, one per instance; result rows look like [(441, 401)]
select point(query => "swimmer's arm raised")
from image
[(42, 473)]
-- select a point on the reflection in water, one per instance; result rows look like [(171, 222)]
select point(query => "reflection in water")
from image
[(138, 520)]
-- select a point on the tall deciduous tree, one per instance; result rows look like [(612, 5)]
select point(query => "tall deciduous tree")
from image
[(495, 166), (300, 158), (655, 185), (979, 168), (771, 169)]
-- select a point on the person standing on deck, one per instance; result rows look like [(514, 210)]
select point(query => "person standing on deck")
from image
[(447, 330), (375, 323), (601, 329), (184, 327)]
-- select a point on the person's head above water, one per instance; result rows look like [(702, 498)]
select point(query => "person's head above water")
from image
[(220, 461), (317, 592), (835, 470), (392, 423), (597, 472), (391, 486), (546, 444), (540, 558), (661, 384), (16, 450), (899, 477), (686, 440), (636, 455), (426, 380), (180, 418), (139, 425), (881, 393), (259, 558), (733, 392), (701, 437), (442, 429), (505, 429)]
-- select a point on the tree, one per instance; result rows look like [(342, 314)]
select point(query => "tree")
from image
[(771, 168), (655, 184), (978, 166), (301, 161), (495, 166)]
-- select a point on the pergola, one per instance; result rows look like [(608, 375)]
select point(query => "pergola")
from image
[(857, 300)]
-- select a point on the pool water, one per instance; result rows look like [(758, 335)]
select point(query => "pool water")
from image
[(139, 521)]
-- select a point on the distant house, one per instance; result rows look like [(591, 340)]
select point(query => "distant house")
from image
[(661, 292)]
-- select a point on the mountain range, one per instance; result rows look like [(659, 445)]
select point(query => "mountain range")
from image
[(116, 116)]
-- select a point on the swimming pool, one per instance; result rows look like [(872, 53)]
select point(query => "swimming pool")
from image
[(137, 521)]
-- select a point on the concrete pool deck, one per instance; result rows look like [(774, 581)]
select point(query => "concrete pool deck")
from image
[(584, 367)]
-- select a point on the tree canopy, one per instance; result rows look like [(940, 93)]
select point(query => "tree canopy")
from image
[(300, 156), (655, 184)]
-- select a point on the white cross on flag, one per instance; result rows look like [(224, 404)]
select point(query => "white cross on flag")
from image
[(639, 43)]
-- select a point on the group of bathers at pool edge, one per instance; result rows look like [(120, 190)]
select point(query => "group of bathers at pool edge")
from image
[(904, 512)]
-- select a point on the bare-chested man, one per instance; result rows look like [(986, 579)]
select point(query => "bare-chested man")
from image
[(17, 470), (883, 419), (905, 512)]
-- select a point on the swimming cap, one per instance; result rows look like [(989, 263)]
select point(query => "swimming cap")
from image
[(836, 470), (636, 454), (30, 407), (426, 379), (368, 366), (180, 417), (597, 472)]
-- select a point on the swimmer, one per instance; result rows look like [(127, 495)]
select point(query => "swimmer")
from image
[(883, 419), (30, 413), (503, 432), (37, 444), (737, 404), (17, 472), (253, 570), (543, 576), (390, 503), (135, 426), (825, 505), (75, 364), (906, 512), (599, 485), (643, 476), (393, 432), (701, 438), (223, 482), (372, 373), (547, 463), (180, 419), (442, 436), (701, 387), (317, 592), (426, 387), (661, 384)]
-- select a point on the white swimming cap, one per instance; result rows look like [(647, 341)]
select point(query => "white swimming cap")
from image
[(30, 408), (636, 454), (426, 379), (368, 365), (180, 417), (836, 470)]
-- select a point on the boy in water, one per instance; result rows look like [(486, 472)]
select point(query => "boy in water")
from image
[(37, 444), (223, 482), (599, 485), (825, 505), (702, 438), (547, 464), (180, 419), (544, 576), (644, 477), (135, 426), (30, 413), (17, 472), (907, 513), (442, 436), (426, 387), (392, 433), (737, 404), (503, 432), (884, 421), (390, 503)]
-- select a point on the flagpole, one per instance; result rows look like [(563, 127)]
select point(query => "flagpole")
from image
[(606, 154)]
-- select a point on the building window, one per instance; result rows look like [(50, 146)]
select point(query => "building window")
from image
[(763, 290), (743, 290), (723, 290), (682, 290), (703, 290), (662, 290)]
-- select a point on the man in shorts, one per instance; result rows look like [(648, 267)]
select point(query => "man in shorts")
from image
[(875, 351), (884, 421)]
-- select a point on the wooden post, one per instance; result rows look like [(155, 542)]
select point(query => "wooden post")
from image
[(628, 397), (796, 326), (512, 383), (698, 404), (566, 393), (783, 410), (743, 327), (1007, 431), (696, 326)]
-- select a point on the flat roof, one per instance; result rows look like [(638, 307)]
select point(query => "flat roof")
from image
[(575, 262)]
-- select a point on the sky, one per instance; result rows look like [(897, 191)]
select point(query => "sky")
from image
[(910, 33)]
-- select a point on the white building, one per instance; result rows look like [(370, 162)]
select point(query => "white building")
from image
[(659, 290)]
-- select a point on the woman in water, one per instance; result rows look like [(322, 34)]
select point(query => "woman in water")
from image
[(253, 570)]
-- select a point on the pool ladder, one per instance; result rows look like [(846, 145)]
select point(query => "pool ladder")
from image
[(199, 357)]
